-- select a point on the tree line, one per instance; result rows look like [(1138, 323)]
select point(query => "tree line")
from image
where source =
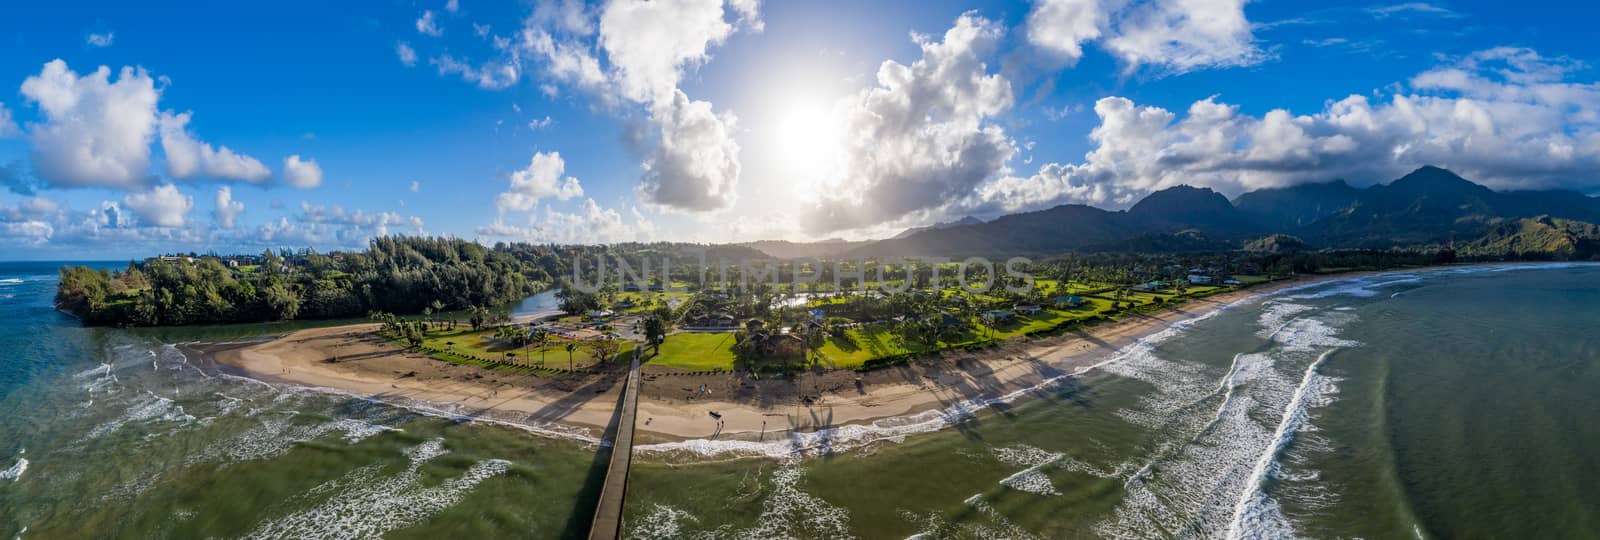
[(394, 274)]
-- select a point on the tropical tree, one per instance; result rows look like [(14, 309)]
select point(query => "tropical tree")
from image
[(571, 346), (655, 331), (604, 349), (541, 338)]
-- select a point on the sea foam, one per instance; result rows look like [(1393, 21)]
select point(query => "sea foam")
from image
[(365, 506), (15, 471)]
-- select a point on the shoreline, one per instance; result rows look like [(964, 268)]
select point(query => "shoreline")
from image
[(807, 411)]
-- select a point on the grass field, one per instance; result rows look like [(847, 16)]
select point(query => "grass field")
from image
[(861, 344), (696, 351), (466, 343)]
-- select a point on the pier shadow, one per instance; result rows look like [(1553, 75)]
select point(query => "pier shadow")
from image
[(582, 517)]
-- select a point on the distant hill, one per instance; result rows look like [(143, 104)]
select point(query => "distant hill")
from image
[(1563, 238), (784, 249), (1428, 206), (968, 220)]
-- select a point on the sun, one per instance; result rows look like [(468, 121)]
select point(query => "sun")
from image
[(807, 140)]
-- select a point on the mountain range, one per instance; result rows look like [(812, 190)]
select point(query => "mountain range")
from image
[(1429, 206)]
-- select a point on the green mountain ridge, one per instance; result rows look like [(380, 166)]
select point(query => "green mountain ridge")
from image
[(1430, 205)]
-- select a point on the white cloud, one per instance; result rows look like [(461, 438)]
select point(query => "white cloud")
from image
[(1410, 8), (188, 157), (8, 127), (690, 158), (329, 226), (408, 55), (493, 75), (1184, 35), (416, 186), (227, 210), (649, 54), (541, 123), (32, 233), (591, 225), (303, 174), (427, 26), (567, 61), (96, 131), (565, 16), (482, 30), (357, 221), (452, 6), (1173, 36), (1507, 118), (1062, 26), (162, 206), (922, 136), (695, 162), (100, 40), (540, 180)]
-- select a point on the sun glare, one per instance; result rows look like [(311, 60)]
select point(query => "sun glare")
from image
[(807, 140)]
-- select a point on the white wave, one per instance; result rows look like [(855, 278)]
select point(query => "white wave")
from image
[(276, 436), (368, 507), (15, 471), (1002, 527), (10, 281), (1362, 287), (789, 512), (663, 522), (1256, 515), (1308, 334), (895, 429), (1277, 313), (453, 412), (145, 408), (1195, 485), (1032, 479)]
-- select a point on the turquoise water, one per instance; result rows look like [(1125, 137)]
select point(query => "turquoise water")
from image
[(1440, 404)]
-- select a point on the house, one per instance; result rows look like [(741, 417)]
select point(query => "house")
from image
[(818, 315), (947, 320), (1069, 301), (1150, 286), (1028, 309), (1200, 279), (720, 319), (601, 313), (997, 316)]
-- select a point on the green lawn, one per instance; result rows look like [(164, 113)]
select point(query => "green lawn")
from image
[(484, 345), (861, 344), (696, 351)]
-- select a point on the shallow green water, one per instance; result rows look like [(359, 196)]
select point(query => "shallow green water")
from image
[(1448, 404)]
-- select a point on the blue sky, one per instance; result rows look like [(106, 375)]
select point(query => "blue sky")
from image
[(705, 120)]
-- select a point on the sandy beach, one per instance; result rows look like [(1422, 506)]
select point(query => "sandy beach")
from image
[(354, 359)]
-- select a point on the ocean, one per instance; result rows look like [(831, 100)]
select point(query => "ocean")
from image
[(1450, 403)]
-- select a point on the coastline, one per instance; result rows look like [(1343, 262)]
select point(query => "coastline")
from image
[(798, 414)]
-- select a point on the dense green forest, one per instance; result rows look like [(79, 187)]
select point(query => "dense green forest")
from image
[(395, 274)]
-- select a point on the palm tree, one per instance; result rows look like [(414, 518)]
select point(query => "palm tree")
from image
[(571, 346), (542, 338)]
